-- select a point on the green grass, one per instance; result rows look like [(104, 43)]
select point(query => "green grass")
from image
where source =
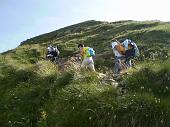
[(94, 104), (41, 96), (35, 94), (154, 78), (98, 35)]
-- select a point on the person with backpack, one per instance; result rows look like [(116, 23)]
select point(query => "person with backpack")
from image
[(55, 53), (52, 53), (131, 51), (49, 49), (87, 55), (49, 52), (118, 51)]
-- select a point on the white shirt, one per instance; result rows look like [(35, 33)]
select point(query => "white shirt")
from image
[(117, 54), (125, 43), (50, 49), (56, 49)]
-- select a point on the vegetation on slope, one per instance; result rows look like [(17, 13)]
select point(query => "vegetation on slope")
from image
[(35, 93)]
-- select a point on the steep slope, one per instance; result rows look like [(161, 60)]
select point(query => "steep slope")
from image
[(99, 34), (146, 32), (154, 36), (37, 93)]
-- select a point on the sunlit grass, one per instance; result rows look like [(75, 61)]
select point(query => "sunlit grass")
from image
[(35, 93)]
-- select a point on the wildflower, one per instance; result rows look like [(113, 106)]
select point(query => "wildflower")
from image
[(44, 115), (167, 87), (159, 100), (142, 87)]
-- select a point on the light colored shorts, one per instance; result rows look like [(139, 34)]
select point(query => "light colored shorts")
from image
[(88, 63)]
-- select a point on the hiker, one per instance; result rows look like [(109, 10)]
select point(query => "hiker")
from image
[(131, 50), (87, 54), (52, 53), (118, 51), (55, 52), (49, 49)]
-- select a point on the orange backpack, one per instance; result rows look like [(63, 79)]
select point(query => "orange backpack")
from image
[(120, 49)]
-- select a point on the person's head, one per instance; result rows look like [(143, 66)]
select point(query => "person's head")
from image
[(121, 40), (80, 46)]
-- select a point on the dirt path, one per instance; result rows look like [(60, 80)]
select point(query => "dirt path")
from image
[(73, 62)]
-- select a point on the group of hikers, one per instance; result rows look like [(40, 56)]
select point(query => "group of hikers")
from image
[(123, 51)]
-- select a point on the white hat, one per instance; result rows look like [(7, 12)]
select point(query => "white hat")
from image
[(114, 44)]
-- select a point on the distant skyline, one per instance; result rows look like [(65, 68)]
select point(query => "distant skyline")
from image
[(24, 19)]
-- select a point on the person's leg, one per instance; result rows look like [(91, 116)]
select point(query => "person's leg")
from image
[(56, 57), (83, 64), (129, 62), (116, 66), (120, 66), (90, 63), (91, 66)]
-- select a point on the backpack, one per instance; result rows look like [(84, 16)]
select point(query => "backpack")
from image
[(50, 49), (120, 49), (91, 52)]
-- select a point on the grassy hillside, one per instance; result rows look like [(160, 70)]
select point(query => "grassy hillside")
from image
[(152, 36), (36, 93)]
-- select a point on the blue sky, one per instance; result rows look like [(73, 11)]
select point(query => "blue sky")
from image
[(23, 19)]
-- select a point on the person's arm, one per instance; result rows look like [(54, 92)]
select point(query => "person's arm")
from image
[(81, 55)]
